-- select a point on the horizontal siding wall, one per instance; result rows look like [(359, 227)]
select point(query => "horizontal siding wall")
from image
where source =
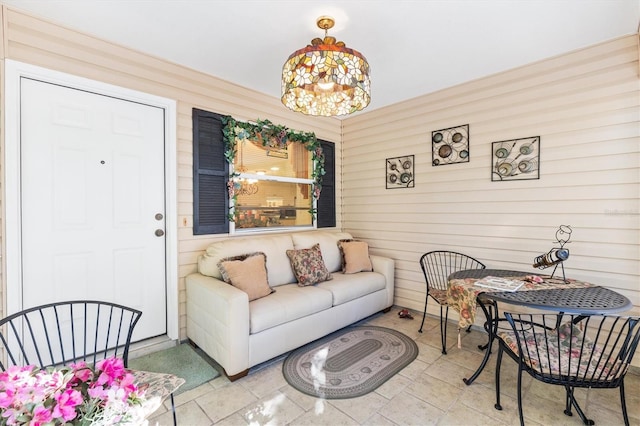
[(38, 42), (584, 106)]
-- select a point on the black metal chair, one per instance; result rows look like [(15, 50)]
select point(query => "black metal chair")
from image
[(64, 332), (573, 351), (61, 333), (436, 267)]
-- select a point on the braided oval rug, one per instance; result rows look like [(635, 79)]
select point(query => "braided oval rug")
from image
[(350, 362)]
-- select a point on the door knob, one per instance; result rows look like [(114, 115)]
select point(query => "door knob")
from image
[(159, 216), (159, 232)]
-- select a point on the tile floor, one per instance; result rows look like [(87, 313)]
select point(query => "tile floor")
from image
[(429, 391)]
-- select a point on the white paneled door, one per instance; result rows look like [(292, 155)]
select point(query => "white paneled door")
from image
[(92, 201)]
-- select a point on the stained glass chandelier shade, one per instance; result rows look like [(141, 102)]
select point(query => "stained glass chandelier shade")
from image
[(326, 78)]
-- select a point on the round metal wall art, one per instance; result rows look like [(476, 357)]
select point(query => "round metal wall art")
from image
[(450, 145), (400, 172), (516, 159)]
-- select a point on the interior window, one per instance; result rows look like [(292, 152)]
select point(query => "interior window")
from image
[(274, 186), (277, 183)]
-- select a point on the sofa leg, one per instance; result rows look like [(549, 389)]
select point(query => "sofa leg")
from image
[(237, 376), (385, 310)]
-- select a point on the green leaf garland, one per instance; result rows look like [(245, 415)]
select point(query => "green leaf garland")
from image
[(273, 136)]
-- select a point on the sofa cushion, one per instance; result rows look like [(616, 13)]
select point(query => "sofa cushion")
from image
[(308, 265), (289, 303), (347, 287), (247, 273), (273, 246), (328, 245), (355, 256)]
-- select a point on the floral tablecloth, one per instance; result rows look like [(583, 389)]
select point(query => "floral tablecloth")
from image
[(462, 293)]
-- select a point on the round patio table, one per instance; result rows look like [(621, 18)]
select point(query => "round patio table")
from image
[(553, 294), (587, 300)]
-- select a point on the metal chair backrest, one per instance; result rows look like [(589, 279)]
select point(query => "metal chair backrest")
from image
[(66, 332), (438, 265), (574, 350)]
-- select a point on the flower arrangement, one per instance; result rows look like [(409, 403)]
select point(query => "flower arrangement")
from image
[(77, 395)]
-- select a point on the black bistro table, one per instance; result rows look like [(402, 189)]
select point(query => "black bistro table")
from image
[(554, 294)]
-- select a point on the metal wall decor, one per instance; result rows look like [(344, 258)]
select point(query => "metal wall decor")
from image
[(450, 145), (400, 172), (516, 159)]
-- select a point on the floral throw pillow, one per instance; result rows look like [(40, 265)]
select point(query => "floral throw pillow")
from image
[(308, 266)]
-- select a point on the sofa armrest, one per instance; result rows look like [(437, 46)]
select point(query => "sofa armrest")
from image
[(385, 266), (218, 321)]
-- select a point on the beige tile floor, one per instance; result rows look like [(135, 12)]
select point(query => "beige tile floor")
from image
[(429, 391)]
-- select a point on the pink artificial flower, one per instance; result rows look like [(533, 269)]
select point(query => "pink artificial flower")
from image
[(78, 365), (112, 369), (10, 415), (42, 415), (97, 392), (83, 374), (6, 398), (66, 405), (51, 380), (127, 383), (15, 373)]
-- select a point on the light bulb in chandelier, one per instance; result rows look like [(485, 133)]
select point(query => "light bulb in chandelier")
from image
[(326, 85)]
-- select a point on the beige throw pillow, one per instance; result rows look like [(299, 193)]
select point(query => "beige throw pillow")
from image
[(356, 257), (248, 274)]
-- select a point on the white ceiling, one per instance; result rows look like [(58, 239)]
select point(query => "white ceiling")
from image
[(414, 47)]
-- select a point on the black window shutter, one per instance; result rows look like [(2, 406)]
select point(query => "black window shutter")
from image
[(327, 202), (210, 175)]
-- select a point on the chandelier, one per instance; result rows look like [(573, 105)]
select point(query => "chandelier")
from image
[(244, 186), (247, 186), (326, 78)]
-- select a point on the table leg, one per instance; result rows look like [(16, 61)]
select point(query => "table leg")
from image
[(490, 309)]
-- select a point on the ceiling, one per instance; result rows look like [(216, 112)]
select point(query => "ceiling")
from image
[(414, 47)]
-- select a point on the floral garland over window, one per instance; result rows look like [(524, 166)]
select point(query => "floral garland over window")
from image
[(272, 136)]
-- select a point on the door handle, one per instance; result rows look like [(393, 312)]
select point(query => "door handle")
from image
[(159, 232)]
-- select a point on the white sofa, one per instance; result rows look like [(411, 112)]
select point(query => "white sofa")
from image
[(239, 334)]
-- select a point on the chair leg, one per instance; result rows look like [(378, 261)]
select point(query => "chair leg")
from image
[(173, 411), (567, 410), (623, 403), (571, 400), (443, 329), (425, 311), (520, 413), (498, 366)]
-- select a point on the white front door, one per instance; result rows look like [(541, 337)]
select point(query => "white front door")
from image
[(92, 201)]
